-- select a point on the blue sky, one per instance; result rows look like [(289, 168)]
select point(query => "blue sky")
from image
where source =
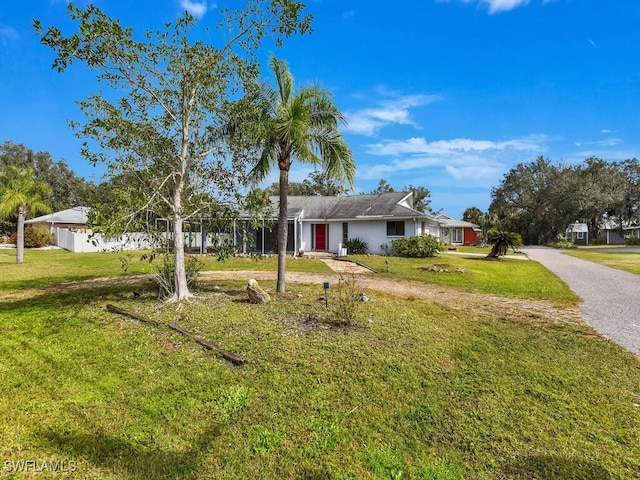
[(446, 94)]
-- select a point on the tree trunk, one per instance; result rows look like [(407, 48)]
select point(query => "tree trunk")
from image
[(20, 236), (180, 288), (283, 230)]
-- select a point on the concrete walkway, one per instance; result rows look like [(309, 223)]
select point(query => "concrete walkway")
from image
[(611, 298)]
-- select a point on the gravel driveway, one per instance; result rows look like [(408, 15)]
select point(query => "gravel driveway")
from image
[(611, 298)]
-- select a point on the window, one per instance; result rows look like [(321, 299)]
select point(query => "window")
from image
[(345, 232), (395, 229), (580, 235), (457, 235)]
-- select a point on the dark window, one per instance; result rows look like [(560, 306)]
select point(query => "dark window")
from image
[(395, 229), (345, 232)]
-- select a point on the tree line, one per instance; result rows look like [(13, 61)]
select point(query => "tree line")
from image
[(540, 199)]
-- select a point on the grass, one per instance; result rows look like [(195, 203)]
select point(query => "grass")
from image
[(620, 259), (508, 277), (414, 390), (63, 266)]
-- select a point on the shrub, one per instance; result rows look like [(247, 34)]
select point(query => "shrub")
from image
[(164, 274), (599, 241), (348, 298), (419, 246), (355, 246), (502, 241), (36, 236), (631, 240)]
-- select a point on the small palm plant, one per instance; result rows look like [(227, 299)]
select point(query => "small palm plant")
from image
[(503, 241), (21, 193)]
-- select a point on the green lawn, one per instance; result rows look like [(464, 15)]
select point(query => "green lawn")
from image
[(413, 391), (508, 276), (628, 261), (52, 267)]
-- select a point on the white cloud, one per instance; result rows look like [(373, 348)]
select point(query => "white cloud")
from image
[(473, 172), (593, 44), (396, 110), (455, 146), (195, 8), (607, 142), (8, 34), (474, 162), (496, 6)]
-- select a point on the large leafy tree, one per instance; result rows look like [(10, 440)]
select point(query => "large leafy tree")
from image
[(67, 189), (159, 124), (541, 199), (21, 193), (297, 125), (534, 200)]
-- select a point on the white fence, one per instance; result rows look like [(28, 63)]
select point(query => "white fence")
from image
[(78, 242), (81, 241)]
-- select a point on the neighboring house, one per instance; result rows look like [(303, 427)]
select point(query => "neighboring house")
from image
[(319, 223), (614, 235), (457, 232), (578, 233), (72, 218), (71, 232)]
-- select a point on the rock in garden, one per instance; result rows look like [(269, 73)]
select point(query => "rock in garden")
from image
[(362, 297), (256, 294)]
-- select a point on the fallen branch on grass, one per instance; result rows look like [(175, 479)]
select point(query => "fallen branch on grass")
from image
[(232, 357), (135, 316)]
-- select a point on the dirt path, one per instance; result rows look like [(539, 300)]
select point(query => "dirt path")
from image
[(468, 303)]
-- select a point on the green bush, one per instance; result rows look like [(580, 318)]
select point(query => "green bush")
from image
[(631, 240), (419, 246), (355, 246), (36, 236), (599, 241)]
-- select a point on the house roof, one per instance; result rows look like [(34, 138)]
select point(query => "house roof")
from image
[(450, 222), (361, 207), (613, 224), (578, 228), (75, 215)]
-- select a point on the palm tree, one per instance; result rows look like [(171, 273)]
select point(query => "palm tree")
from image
[(300, 125), (21, 193), (502, 241)]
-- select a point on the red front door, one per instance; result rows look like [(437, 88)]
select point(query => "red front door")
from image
[(321, 237)]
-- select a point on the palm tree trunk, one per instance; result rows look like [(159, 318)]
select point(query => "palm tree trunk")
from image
[(20, 235), (283, 230)]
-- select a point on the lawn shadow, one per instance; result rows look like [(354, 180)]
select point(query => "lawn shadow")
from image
[(554, 466), (128, 460), (81, 294)]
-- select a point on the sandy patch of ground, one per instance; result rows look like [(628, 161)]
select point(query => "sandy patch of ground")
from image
[(468, 303)]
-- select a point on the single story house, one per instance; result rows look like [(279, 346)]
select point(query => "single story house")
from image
[(72, 219), (72, 233), (578, 233), (457, 232), (318, 223)]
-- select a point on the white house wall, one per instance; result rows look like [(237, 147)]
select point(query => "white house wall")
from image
[(374, 233)]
